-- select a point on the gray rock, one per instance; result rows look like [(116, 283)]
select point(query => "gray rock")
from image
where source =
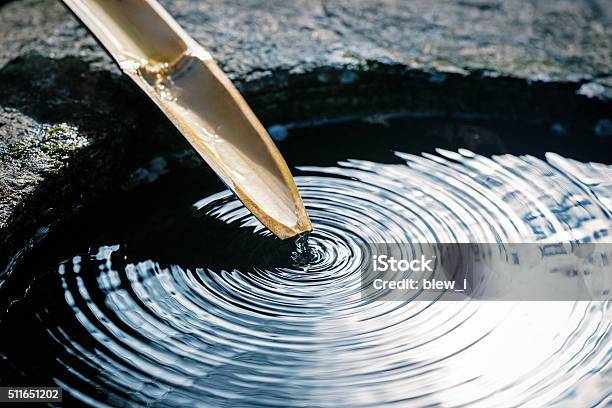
[(71, 127)]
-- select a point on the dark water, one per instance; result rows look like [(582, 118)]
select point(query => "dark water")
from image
[(170, 293)]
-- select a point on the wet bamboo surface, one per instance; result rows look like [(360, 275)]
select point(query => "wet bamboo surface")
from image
[(182, 79)]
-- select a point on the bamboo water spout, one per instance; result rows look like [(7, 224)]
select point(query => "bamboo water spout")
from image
[(182, 79)]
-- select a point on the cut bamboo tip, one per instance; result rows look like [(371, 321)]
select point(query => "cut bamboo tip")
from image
[(181, 78)]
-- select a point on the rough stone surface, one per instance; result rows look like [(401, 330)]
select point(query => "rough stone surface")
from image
[(71, 125), (555, 39)]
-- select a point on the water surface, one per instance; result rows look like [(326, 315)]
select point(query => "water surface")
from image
[(172, 293)]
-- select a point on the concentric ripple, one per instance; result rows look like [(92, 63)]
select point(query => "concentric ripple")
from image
[(299, 334)]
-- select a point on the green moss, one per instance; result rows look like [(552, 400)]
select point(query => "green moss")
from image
[(22, 148), (56, 142), (363, 63), (351, 55), (58, 130)]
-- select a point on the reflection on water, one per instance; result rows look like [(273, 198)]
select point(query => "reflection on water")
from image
[(240, 321)]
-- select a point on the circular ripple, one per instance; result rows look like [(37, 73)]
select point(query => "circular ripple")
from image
[(300, 333)]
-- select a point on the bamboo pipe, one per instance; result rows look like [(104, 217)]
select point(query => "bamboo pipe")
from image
[(180, 76)]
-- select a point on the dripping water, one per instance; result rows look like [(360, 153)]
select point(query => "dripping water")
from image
[(302, 254)]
